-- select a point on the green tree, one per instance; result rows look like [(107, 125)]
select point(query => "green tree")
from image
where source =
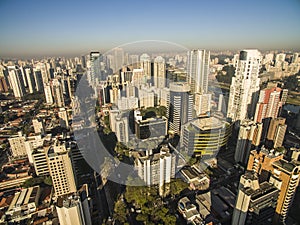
[(120, 212)]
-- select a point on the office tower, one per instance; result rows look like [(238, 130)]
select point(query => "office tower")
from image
[(269, 164), (118, 58), (57, 93), (63, 118), (30, 80), (180, 108), (17, 145), (83, 61), (23, 76), (95, 69), (276, 132), (159, 72), (32, 143), (122, 129), (125, 103), (198, 70), (71, 210), (40, 163), (151, 127), (248, 138), (255, 204), (244, 86), (269, 103), (202, 104), (16, 81), (156, 167), (204, 136), (38, 126), (146, 98), (38, 79), (145, 64), (61, 170)]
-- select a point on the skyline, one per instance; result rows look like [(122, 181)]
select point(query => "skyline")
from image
[(74, 28)]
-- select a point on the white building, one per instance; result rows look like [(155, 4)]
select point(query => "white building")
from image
[(159, 73), (244, 86), (17, 145)]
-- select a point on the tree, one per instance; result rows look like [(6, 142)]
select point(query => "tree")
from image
[(120, 212), (176, 186)]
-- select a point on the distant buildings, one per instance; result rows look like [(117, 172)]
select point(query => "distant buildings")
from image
[(244, 86)]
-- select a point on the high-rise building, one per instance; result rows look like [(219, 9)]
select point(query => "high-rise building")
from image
[(38, 79), (269, 103), (180, 107), (256, 203), (146, 98), (122, 129), (71, 210), (40, 163), (151, 127), (38, 126), (276, 132), (17, 145), (202, 104), (156, 168), (248, 138), (61, 170), (285, 175), (198, 70), (16, 81), (244, 86), (204, 136), (95, 69), (118, 58), (159, 72), (44, 72), (145, 64), (30, 80), (48, 94), (57, 93), (3, 81), (63, 118)]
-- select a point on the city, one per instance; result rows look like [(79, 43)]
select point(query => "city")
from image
[(150, 132)]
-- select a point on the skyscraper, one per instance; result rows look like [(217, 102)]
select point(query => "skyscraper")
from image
[(269, 103), (57, 93), (118, 59), (61, 169), (255, 204), (16, 81), (248, 138), (95, 69), (198, 70), (244, 86), (180, 107), (276, 132), (159, 73), (145, 64)]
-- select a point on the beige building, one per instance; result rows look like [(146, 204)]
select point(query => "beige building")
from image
[(61, 170), (17, 145)]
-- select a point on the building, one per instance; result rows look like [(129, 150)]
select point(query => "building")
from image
[(118, 59), (95, 69), (248, 139), (156, 167), (198, 70), (57, 93), (285, 175), (38, 126), (61, 170), (276, 132), (269, 104), (151, 127), (255, 202), (40, 163), (204, 136), (244, 86), (122, 129), (63, 118), (71, 210), (159, 72), (146, 98), (16, 81), (17, 145), (145, 65), (30, 80), (202, 104), (180, 108)]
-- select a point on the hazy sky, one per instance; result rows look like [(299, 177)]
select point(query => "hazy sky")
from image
[(29, 28)]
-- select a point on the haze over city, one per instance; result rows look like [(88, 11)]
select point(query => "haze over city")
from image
[(42, 28)]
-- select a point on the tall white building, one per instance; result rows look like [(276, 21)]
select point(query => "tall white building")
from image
[(244, 86), (159, 73), (16, 82), (30, 80), (198, 70), (202, 103), (145, 64), (118, 59), (48, 94), (122, 129), (57, 93)]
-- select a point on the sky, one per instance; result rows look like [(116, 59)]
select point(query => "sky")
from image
[(53, 28)]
